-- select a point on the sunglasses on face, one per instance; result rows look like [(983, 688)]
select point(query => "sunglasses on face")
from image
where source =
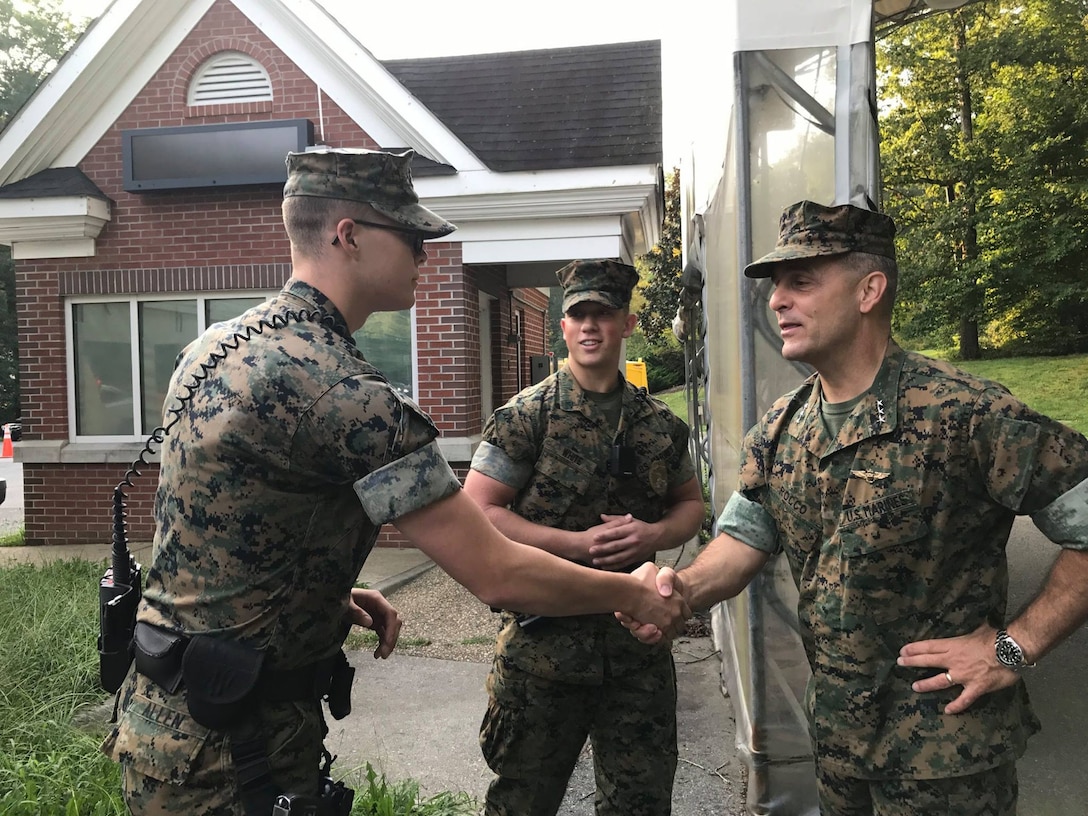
[(412, 237)]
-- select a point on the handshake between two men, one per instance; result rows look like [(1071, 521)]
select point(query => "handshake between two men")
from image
[(720, 572)]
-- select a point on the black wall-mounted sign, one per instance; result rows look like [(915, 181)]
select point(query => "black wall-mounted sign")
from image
[(225, 155)]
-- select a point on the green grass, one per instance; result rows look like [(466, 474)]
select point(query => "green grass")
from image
[(1055, 386), (14, 539), (48, 676), (478, 640), (53, 716), (676, 399)]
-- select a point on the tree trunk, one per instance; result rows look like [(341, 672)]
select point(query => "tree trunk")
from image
[(969, 348)]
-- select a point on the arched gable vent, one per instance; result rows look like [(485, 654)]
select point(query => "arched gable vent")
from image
[(230, 77)]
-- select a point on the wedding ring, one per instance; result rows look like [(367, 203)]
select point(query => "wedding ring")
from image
[(948, 677)]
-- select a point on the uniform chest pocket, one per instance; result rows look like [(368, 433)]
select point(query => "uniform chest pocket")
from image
[(562, 474), (564, 463), (886, 557), (798, 534)]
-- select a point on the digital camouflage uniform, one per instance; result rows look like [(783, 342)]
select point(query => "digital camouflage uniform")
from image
[(288, 455), (895, 531), (561, 679)]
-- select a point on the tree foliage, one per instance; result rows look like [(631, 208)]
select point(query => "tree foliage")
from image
[(34, 35), (660, 270), (985, 163)]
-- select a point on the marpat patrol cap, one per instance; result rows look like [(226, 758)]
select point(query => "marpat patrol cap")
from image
[(605, 282), (810, 230), (382, 180)]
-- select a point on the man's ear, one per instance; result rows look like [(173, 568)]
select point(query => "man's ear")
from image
[(345, 231), (871, 290), (629, 324)]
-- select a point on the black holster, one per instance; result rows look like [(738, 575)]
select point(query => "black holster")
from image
[(339, 694), (221, 676)]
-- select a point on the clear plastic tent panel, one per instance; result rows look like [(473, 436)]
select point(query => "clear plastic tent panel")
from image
[(783, 123)]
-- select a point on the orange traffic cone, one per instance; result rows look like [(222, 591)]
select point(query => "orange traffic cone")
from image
[(9, 449)]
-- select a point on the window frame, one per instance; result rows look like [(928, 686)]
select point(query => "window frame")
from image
[(135, 363)]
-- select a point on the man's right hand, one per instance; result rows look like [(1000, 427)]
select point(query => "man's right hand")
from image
[(668, 584), (666, 610)]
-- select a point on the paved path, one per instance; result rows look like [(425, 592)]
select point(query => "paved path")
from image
[(1053, 778)]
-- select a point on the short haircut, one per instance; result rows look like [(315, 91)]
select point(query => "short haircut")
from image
[(310, 221), (862, 263)]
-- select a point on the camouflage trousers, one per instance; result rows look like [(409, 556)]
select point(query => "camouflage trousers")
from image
[(171, 765), (989, 793), (534, 730)]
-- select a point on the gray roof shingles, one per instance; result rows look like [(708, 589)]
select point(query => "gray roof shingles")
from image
[(54, 182), (556, 108)]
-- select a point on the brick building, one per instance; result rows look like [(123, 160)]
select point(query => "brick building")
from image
[(140, 192)]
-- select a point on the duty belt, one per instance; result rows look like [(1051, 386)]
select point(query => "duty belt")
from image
[(160, 657)]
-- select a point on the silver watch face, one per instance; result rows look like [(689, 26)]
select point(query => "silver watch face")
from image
[(1009, 652)]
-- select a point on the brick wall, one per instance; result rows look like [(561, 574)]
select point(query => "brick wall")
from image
[(527, 308), (448, 343), (534, 327), (73, 503)]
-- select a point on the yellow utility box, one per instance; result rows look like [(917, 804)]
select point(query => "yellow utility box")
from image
[(636, 373)]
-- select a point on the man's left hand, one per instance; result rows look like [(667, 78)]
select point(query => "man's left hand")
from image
[(369, 608), (967, 661)]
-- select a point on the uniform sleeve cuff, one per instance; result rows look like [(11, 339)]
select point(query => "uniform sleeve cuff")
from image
[(747, 521), (410, 483), (493, 461), (1065, 520)]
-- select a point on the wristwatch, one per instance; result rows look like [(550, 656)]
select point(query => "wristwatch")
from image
[(1009, 652)]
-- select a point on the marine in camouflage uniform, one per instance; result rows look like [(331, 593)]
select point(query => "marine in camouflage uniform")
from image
[(556, 680), (893, 509), (288, 454), (895, 531)]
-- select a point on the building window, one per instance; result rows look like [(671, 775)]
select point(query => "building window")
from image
[(123, 353), (102, 342), (386, 340), (230, 77), (166, 326)]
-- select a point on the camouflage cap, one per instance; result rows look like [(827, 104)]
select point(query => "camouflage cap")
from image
[(606, 282), (810, 230), (382, 180)]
